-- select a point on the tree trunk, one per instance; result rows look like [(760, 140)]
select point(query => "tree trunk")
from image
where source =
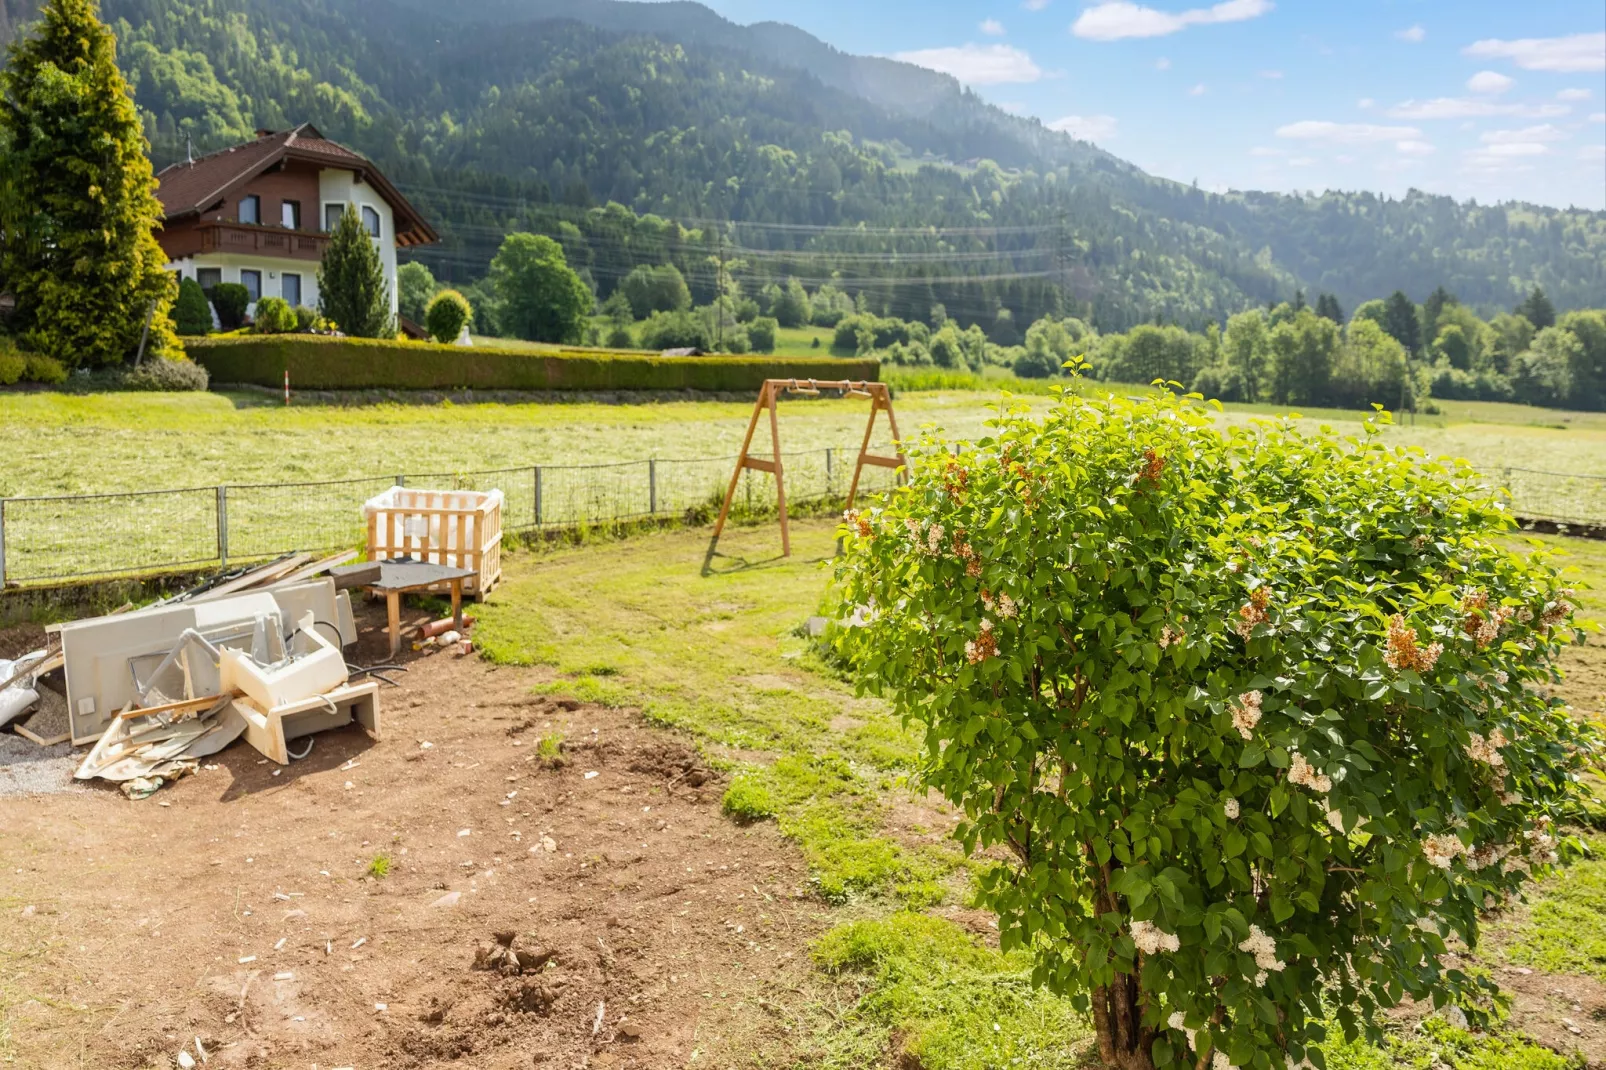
[(1124, 1043)]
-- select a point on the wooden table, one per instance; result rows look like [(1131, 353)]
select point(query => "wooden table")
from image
[(397, 578)]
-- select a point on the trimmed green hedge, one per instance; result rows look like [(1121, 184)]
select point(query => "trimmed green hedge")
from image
[(321, 363)]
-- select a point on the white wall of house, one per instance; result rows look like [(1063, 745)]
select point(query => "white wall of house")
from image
[(336, 186), (273, 270)]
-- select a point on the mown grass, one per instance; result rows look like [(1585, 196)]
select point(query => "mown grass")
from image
[(93, 443), (709, 645)]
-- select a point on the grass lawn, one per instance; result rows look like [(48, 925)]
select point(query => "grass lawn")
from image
[(707, 641)]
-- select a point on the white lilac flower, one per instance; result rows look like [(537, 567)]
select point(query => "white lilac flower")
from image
[(1151, 939), (1443, 849), (1246, 713), (1264, 948), (1303, 773), (1231, 809)]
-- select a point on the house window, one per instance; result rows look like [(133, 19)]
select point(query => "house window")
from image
[(252, 281), (251, 209), (331, 216), (370, 222), (290, 215), (292, 288), (208, 277)]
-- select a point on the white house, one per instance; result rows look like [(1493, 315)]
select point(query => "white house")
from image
[(260, 213)]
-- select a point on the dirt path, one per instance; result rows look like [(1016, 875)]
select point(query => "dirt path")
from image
[(237, 906)]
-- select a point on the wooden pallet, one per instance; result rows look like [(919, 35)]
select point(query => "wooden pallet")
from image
[(455, 528)]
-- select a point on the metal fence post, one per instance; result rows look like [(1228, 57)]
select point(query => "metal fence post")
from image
[(652, 486), (830, 484), (401, 481), (2, 544), (223, 525), (537, 495)]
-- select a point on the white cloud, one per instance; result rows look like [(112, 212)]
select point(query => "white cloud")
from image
[(1544, 132), (1197, 91), (1272, 75), (1118, 19), (1035, 5), (1573, 54), (1086, 127), (1573, 94), (1414, 148), (992, 28), (1266, 150), (1162, 64), (1365, 102), (1514, 148), (1466, 108), (1598, 117), (1301, 161), (1347, 133), (977, 64), (1411, 34), (1490, 82), (1592, 152)]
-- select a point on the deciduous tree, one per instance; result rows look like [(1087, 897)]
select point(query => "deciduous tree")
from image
[(539, 298)]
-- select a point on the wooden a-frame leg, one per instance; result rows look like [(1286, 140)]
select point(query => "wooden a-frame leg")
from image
[(780, 479), (864, 448), (393, 613), (741, 459), (897, 439)]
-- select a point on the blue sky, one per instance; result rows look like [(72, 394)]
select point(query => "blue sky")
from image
[(1475, 98)]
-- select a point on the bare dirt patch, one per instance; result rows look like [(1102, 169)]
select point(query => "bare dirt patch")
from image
[(243, 906)]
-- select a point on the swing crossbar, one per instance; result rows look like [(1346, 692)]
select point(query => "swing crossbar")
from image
[(769, 396)]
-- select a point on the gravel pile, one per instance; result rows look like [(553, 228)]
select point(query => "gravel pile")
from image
[(29, 769)]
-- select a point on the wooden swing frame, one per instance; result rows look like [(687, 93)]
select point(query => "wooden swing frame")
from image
[(768, 398)]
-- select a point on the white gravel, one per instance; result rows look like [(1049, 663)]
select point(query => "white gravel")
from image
[(26, 768)]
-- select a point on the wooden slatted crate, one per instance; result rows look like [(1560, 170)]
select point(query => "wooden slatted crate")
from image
[(455, 528)]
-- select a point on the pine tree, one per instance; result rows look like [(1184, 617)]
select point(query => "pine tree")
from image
[(352, 292), (77, 197), (1538, 310), (1327, 307), (192, 313), (1433, 308), (1400, 321)]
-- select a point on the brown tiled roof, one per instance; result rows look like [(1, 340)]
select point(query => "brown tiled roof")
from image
[(191, 188)]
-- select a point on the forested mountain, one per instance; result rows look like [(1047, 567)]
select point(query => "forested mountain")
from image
[(534, 114)]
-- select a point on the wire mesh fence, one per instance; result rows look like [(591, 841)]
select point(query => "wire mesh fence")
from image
[(92, 536), (52, 539)]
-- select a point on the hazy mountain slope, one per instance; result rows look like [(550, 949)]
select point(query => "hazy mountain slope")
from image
[(496, 115)]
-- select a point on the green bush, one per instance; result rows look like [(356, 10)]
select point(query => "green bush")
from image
[(447, 315), (275, 316), (191, 313), (761, 334), (1260, 720), (306, 318), (172, 376), (318, 362), (675, 330), (12, 364), (231, 300), (619, 337), (43, 369)]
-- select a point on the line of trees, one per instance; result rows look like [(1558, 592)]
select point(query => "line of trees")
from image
[(1390, 352)]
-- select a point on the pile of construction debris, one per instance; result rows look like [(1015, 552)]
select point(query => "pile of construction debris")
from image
[(259, 655)]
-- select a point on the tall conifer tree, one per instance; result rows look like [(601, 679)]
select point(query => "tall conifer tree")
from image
[(77, 198)]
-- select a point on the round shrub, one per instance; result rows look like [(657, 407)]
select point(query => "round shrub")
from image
[(675, 330), (275, 316), (1260, 720), (761, 334), (192, 315), (174, 376), (306, 319), (230, 299), (43, 369), (619, 337), (448, 313), (12, 363)]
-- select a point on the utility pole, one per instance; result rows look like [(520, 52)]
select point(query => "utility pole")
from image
[(719, 294), (1062, 263)]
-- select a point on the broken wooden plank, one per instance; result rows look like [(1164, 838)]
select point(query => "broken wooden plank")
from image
[(25, 733), (318, 568), (183, 704), (350, 577), (254, 577)]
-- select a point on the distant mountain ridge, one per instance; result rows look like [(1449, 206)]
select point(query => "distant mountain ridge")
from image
[(528, 113)]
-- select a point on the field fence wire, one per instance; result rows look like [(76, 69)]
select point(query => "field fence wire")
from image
[(1556, 497), (74, 537)]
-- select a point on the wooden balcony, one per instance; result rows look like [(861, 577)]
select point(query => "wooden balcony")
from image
[(249, 239)]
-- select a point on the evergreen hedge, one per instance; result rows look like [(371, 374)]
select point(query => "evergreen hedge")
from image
[(322, 363)]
